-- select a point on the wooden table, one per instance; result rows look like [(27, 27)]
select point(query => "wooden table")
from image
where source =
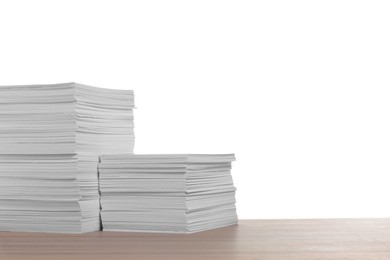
[(251, 239)]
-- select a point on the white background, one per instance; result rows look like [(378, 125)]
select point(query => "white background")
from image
[(299, 90)]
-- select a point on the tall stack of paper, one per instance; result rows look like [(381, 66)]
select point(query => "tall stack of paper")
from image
[(50, 140), (166, 193)]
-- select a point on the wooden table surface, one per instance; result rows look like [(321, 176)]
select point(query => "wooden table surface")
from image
[(251, 239)]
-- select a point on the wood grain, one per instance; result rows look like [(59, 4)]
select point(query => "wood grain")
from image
[(251, 239)]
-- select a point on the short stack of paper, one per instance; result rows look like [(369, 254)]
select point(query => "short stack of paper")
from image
[(50, 140), (166, 193)]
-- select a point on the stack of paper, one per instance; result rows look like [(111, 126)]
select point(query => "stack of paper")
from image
[(166, 193), (50, 140)]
